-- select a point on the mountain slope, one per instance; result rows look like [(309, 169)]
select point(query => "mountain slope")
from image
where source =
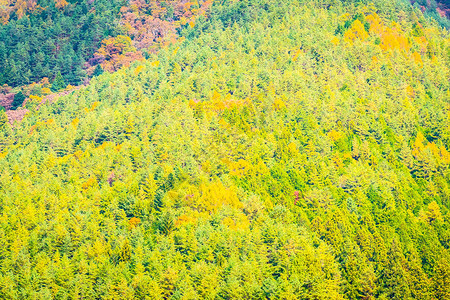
[(281, 150)]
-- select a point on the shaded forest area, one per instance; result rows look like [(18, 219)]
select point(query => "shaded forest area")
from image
[(78, 39)]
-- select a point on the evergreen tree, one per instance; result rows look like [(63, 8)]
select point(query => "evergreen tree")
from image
[(3, 117), (98, 70), (58, 83), (18, 100)]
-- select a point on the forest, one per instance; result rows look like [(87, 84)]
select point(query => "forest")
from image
[(78, 39), (232, 149), (70, 42)]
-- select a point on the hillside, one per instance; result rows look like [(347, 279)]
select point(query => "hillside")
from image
[(273, 150), (54, 43)]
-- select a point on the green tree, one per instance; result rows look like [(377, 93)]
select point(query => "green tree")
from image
[(18, 100), (3, 117), (98, 71), (58, 83)]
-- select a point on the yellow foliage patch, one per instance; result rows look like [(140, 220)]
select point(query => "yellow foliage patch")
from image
[(347, 155), (218, 104), (98, 249), (185, 220), (335, 41), (422, 42), (278, 104), (417, 58), (238, 223), (224, 123), (432, 213), (133, 222), (391, 38), (445, 155), (78, 154), (355, 32), (410, 91), (206, 166), (35, 98), (103, 145), (75, 122), (334, 135), (46, 91), (94, 105), (292, 148), (261, 168), (240, 168), (440, 154), (138, 70), (213, 195), (296, 54), (89, 183), (418, 144)]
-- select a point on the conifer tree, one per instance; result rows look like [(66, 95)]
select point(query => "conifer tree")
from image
[(18, 100), (98, 70), (58, 83)]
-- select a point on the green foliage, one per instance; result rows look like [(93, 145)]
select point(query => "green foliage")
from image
[(49, 39), (3, 118), (98, 71), (58, 83), (18, 100)]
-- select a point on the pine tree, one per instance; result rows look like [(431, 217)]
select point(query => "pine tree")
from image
[(98, 71), (58, 83), (18, 100)]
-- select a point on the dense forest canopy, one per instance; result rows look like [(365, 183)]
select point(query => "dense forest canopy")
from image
[(44, 38), (264, 149), (54, 38)]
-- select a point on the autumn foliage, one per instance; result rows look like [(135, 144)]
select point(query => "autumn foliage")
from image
[(259, 149)]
